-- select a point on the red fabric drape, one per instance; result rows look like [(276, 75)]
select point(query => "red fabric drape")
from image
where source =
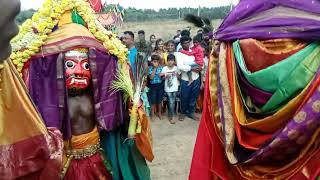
[(96, 5), (208, 160)]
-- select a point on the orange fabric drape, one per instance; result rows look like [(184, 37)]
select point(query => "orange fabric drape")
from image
[(144, 139)]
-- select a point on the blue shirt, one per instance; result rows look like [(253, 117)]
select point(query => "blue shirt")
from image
[(156, 79), (132, 58)]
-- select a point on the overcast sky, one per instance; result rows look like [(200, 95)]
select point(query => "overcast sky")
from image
[(146, 4)]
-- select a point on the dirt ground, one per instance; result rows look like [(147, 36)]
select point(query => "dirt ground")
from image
[(173, 148)]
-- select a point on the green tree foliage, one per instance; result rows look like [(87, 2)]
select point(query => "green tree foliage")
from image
[(138, 15), (24, 15)]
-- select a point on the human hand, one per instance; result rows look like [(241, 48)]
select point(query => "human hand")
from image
[(196, 69)]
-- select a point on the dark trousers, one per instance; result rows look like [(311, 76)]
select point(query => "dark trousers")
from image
[(189, 95)]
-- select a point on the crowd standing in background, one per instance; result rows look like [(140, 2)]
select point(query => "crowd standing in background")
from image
[(176, 72)]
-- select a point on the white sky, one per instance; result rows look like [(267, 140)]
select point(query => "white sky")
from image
[(146, 4)]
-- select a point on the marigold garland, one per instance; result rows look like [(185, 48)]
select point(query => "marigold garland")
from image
[(34, 31)]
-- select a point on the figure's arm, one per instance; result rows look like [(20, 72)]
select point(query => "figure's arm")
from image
[(181, 66), (187, 52)]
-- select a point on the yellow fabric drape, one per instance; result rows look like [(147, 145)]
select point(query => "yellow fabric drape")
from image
[(213, 88), (85, 140), (64, 33), (19, 119), (66, 18)]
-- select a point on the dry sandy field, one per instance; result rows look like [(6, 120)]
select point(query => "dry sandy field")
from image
[(173, 148)]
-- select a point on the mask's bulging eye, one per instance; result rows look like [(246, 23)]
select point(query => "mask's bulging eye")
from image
[(86, 66), (69, 64)]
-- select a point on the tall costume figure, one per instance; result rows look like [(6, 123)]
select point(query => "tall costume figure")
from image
[(69, 63), (262, 120)]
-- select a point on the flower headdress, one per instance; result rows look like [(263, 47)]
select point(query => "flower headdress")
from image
[(35, 31)]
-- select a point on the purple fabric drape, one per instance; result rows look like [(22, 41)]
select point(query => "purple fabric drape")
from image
[(258, 96), (108, 105), (295, 135), (269, 19), (48, 91), (45, 92)]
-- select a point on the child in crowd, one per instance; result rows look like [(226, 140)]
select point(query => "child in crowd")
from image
[(171, 47), (156, 91), (170, 74), (145, 100), (161, 51), (196, 51)]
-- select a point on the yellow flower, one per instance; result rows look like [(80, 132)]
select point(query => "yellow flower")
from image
[(58, 9), (20, 65), (35, 17), (13, 56)]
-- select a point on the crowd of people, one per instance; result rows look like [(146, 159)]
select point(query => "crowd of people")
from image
[(176, 72)]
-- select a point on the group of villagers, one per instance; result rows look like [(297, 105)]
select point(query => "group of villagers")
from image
[(64, 117)]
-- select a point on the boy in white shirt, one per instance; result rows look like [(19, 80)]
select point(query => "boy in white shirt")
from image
[(170, 73)]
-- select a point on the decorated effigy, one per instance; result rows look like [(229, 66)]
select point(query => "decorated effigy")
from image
[(78, 77), (262, 120)]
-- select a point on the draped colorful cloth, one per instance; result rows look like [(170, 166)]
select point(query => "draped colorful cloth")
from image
[(90, 167), (28, 150), (127, 161), (96, 5), (270, 19), (144, 140), (282, 145), (262, 120), (44, 76)]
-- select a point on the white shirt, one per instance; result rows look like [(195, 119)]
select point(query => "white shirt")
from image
[(171, 83), (182, 61)]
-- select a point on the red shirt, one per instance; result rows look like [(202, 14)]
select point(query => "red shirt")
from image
[(197, 52)]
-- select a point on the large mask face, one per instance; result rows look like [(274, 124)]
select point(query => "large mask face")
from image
[(77, 67)]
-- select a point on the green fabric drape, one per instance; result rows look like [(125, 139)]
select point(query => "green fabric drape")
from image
[(127, 162), (296, 81), (269, 79), (285, 84), (76, 18)]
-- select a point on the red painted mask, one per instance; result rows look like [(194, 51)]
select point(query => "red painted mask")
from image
[(77, 68)]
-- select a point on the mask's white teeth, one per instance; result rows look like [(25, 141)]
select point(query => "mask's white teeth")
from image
[(72, 81)]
